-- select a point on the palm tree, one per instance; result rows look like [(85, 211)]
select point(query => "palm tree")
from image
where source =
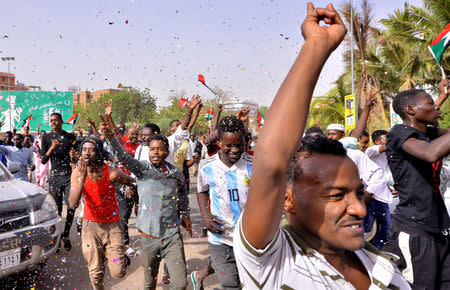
[(363, 34), (328, 109), (408, 33), (400, 59)]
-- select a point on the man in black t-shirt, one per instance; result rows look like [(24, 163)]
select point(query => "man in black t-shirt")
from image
[(56, 147), (419, 232)]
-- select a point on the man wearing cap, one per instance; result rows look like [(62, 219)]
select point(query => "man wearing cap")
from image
[(102, 235), (335, 131)]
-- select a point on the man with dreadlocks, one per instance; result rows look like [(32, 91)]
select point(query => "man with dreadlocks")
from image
[(102, 235), (224, 179)]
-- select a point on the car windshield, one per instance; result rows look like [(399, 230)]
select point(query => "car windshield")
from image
[(4, 174)]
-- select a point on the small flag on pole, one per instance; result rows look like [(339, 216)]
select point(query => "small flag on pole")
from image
[(201, 79), (260, 119), (440, 44), (26, 121), (182, 102), (73, 119), (209, 114), (438, 47)]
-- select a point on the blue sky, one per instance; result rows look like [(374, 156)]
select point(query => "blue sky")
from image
[(245, 47)]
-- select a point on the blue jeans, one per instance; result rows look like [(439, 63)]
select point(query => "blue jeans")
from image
[(379, 211), (224, 264)]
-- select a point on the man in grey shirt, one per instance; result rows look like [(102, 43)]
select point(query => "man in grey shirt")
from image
[(162, 201), (20, 155)]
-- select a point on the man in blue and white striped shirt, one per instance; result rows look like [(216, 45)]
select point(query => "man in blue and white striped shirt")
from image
[(223, 180)]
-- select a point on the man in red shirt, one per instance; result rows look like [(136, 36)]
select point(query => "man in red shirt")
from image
[(102, 235), (131, 144)]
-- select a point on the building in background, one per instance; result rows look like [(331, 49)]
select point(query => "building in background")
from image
[(232, 105), (7, 80), (85, 97)]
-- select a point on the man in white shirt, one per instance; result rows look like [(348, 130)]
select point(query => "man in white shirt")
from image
[(180, 130), (318, 189), (377, 152), (147, 133), (19, 154)]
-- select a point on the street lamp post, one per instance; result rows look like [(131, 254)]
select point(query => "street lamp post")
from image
[(9, 59)]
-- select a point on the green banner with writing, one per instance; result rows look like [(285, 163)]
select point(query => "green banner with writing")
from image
[(17, 106)]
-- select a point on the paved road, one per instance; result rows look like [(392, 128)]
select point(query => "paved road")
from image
[(68, 270)]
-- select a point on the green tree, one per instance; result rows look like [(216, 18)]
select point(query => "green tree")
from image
[(402, 60), (174, 112), (364, 41), (130, 105), (328, 109)]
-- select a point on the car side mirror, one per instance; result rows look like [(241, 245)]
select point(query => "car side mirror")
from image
[(13, 167)]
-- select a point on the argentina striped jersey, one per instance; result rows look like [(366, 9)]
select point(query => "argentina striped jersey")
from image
[(228, 188)]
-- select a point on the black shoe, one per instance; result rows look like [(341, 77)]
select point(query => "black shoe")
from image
[(67, 244), (127, 261)]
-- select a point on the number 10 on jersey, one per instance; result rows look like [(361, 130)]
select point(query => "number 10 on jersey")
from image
[(234, 194)]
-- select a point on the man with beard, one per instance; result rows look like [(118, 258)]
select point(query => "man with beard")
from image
[(163, 203), (102, 235)]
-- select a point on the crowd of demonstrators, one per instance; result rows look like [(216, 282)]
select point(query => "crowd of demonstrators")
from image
[(296, 215), (20, 155)]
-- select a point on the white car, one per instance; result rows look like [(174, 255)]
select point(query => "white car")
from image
[(30, 227)]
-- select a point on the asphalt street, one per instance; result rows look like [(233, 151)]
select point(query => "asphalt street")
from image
[(68, 270)]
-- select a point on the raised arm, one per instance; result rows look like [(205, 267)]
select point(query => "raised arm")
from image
[(284, 125), (92, 125), (430, 152), (443, 88), (194, 118), (38, 132), (136, 167), (191, 105), (244, 115), (362, 121), (217, 117), (110, 122)]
